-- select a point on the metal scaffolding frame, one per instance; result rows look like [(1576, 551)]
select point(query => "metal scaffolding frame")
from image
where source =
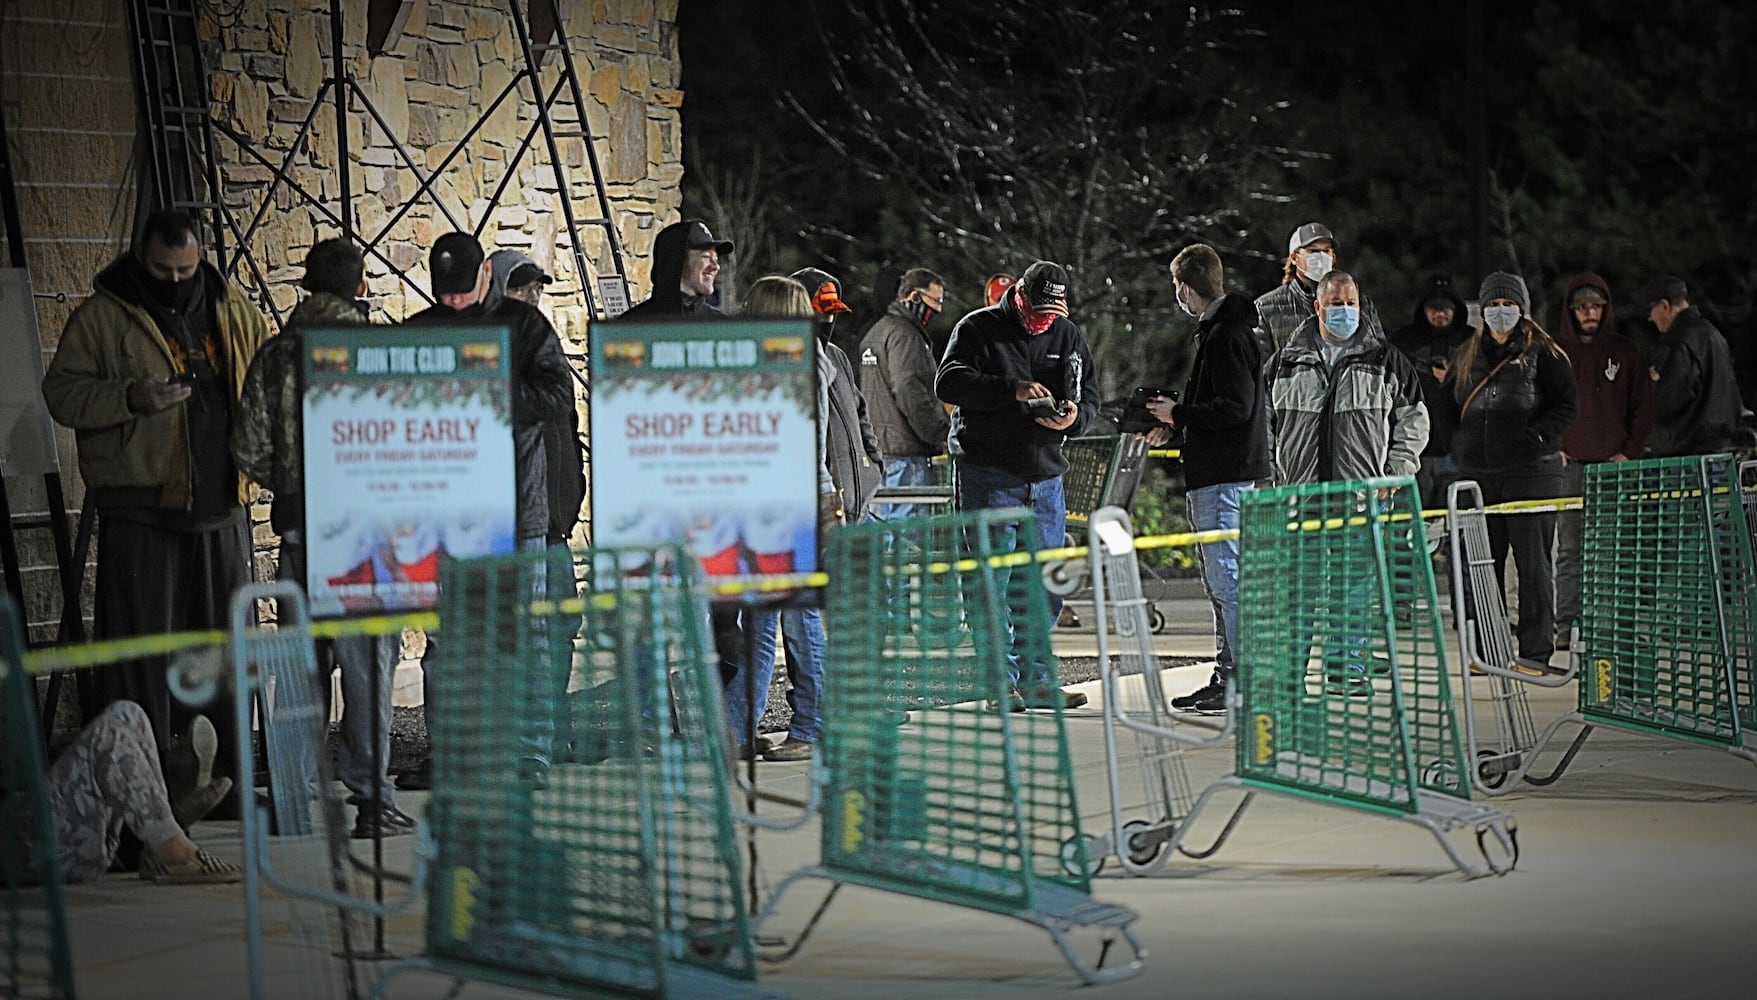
[(187, 170)]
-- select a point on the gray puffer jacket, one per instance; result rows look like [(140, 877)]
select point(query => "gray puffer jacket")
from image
[(1364, 418)]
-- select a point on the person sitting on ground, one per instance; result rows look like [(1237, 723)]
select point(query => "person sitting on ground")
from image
[(110, 778)]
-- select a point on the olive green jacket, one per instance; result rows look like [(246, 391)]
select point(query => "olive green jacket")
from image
[(107, 346)]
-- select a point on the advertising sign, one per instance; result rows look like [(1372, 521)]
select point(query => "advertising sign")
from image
[(706, 433), (408, 457)]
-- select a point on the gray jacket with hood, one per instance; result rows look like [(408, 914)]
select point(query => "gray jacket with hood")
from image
[(1361, 419)]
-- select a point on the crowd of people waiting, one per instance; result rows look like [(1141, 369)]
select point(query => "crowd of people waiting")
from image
[(178, 395)]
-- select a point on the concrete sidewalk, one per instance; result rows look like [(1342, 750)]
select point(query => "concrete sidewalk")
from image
[(1635, 880)]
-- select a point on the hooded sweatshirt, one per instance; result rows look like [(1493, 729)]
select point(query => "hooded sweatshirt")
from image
[(1422, 344), (564, 450), (668, 301), (1611, 382)]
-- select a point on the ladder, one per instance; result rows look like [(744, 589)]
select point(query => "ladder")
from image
[(551, 36), (182, 165)]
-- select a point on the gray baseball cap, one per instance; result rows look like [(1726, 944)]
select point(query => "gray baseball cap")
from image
[(1311, 232)]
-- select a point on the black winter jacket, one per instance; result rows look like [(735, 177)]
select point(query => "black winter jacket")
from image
[(990, 353), (1223, 416), (542, 392), (1423, 344), (1696, 403), (1519, 415)]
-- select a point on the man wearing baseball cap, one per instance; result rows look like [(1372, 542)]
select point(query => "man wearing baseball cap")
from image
[(1020, 377), (1312, 252), (1696, 404), (542, 391), (686, 265)]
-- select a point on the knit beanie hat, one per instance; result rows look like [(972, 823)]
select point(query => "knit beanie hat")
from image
[(1501, 285)]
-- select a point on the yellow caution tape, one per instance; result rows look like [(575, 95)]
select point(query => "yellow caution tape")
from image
[(95, 654)]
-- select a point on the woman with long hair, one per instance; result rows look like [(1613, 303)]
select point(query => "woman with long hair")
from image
[(1515, 395), (802, 629)]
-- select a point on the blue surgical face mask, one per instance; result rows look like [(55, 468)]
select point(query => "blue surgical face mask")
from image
[(1341, 321)]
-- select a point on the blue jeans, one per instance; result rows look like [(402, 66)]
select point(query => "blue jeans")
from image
[(981, 488), (740, 716), (803, 643), (910, 470), (1212, 508)]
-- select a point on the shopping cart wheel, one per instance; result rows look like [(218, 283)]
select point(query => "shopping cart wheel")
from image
[(1155, 619), (1440, 774), (1070, 858), (708, 941), (1139, 841), (1490, 779)]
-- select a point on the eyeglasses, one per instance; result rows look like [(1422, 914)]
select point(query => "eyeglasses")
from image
[(932, 302)]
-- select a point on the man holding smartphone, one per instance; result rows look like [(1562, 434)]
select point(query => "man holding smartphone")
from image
[(148, 375), (1226, 439), (1019, 375)]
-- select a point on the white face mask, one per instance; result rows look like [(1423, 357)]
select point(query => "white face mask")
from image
[(1317, 264), (1184, 305), (1501, 318)]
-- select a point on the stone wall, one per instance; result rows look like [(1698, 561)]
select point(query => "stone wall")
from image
[(67, 89), (430, 91), (67, 93)]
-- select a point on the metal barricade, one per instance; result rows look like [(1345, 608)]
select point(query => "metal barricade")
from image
[(612, 867), (300, 847), (1669, 609), (1135, 702), (969, 799), (1342, 683), (1667, 643), (35, 960)]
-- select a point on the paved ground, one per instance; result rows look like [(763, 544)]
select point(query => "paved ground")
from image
[(1636, 880)]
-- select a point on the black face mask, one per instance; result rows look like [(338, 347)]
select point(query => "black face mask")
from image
[(922, 312), (176, 296), (823, 326)]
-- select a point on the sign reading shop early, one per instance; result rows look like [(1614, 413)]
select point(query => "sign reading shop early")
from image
[(707, 433), (408, 457)]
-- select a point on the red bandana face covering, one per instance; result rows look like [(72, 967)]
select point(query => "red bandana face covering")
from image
[(1035, 323)]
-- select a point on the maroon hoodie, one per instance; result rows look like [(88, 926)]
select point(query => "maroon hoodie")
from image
[(1612, 381)]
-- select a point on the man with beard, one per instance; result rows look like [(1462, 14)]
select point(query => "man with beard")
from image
[(148, 374), (1615, 397)]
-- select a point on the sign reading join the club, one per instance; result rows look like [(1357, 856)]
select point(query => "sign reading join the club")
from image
[(709, 433), (409, 456)]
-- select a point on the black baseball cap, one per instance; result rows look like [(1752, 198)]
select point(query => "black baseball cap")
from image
[(701, 239), (1045, 283), (1671, 288), (525, 274), (456, 263)]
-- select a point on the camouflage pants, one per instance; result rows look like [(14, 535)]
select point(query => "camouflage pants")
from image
[(109, 778)]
